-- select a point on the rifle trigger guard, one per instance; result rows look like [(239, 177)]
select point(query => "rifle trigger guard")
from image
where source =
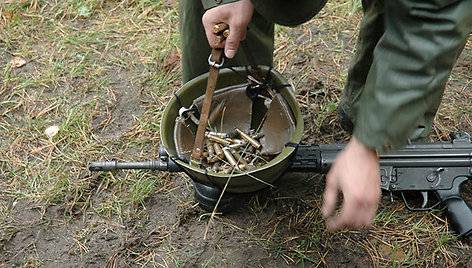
[(411, 208), (214, 64), (423, 206)]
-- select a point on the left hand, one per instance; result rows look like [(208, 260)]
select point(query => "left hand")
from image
[(356, 174)]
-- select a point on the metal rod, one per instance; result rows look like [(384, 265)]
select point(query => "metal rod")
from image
[(156, 164)]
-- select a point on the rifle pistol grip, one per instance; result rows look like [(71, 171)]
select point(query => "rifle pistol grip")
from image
[(458, 211)]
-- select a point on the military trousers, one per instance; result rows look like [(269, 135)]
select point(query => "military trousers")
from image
[(404, 55)]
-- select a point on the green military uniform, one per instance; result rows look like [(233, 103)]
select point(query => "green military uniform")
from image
[(405, 52)]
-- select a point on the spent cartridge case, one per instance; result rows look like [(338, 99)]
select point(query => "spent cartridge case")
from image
[(229, 156), (248, 138), (236, 145), (210, 149), (239, 159), (216, 166), (218, 140), (220, 27), (219, 39), (212, 159), (218, 150), (217, 134)]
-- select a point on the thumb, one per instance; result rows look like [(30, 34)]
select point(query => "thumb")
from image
[(330, 196), (236, 35)]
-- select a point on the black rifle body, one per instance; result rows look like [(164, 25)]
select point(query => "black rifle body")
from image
[(441, 168)]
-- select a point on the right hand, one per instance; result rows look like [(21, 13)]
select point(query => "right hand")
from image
[(237, 15), (355, 173)]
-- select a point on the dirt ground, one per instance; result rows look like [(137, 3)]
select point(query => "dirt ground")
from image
[(91, 226)]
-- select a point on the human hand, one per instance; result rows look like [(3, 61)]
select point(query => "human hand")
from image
[(237, 15), (356, 174)]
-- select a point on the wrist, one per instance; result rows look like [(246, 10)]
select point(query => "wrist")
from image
[(207, 4), (361, 147)]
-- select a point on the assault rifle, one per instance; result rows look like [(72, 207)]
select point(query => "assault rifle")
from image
[(440, 168)]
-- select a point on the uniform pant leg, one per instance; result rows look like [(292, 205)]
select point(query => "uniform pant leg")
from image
[(411, 65), (371, 29), (195, 48)]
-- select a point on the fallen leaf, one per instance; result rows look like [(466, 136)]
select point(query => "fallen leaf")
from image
[(391, 253), (51, 131), (17, 62), (171, 59), (9, 14)]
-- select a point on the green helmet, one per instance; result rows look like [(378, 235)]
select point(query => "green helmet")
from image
[(240, 183)]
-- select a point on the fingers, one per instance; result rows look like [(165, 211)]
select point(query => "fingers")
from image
[(354, 216), (237, 15), (209, 24), (231, 38), (232, 41), (236, 35), (355, 173), (330, 196), (356, 212)]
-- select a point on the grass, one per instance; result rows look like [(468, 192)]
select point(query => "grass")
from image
[(73, 58), (102, 71)]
